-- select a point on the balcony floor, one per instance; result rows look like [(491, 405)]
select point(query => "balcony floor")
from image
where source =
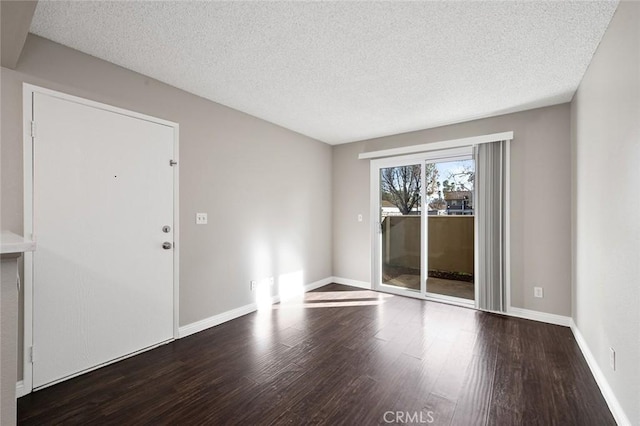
[(453, 288)]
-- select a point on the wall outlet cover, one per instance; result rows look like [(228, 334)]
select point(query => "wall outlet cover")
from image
[(201, 219), (612, 359)]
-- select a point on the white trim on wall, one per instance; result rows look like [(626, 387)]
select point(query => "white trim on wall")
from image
[(538, 316), (453, 143), (198, 326), (28, 90), (353, 283), (317, 284), (176, 230), (608, 394), (507, 223), (195, 327), (511, 311), (27, 304), (20, 389)]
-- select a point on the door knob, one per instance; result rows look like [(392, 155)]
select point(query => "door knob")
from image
[(166, 245)]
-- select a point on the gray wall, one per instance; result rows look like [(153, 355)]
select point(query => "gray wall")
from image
[(540, 202), (267, 189), (15, 21), (606, 206)]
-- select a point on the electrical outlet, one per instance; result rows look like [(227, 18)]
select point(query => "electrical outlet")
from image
[(201, 218), (612, 359), (262, 283), (537, 292), (360, 218)]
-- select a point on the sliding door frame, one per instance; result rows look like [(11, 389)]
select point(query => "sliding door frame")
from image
[(416, 152), (376, 225), (443, 155), (457, 154)]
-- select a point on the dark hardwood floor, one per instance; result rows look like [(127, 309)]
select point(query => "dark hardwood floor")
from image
[(343, 356)]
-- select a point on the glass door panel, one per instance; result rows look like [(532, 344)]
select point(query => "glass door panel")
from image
[(450, 228), (400, 222)]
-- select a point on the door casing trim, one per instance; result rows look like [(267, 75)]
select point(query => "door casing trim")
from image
[(28, 91)]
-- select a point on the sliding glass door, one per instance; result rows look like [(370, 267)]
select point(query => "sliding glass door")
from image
[(424, 232), (400, 226), (450, 229)]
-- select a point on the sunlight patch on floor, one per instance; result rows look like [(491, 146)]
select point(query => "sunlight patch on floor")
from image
[(336, 299)]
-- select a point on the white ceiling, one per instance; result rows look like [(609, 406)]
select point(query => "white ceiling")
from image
[(345, 71)]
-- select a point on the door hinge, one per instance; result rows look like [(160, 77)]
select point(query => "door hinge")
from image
[(33, 129), (172, 163), (32, 356)]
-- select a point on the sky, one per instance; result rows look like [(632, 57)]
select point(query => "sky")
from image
[(449, 167)]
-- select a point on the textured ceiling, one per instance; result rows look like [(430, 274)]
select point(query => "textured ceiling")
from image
[(345, 71)]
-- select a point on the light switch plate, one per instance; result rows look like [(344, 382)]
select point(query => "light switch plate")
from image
[(201, 218)]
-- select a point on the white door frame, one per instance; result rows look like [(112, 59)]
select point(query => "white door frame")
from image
[(376, 230), (465, 153), (422, 158), (28, 91), (435, 149)]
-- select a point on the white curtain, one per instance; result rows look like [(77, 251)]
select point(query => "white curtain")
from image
[(490, 211)]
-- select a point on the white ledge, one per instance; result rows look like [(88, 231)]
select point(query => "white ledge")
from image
[(432, 146), (13, 243)]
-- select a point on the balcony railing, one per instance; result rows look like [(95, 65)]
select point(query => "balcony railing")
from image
[(450, 242)]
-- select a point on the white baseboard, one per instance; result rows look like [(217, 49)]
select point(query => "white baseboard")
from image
[(352, 283), (201, 325), (610, 397), (318, 284), (212, 321), (20, 389), (539, 316), (514, 312)]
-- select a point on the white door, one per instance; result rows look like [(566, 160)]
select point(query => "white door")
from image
[(102, 281)]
